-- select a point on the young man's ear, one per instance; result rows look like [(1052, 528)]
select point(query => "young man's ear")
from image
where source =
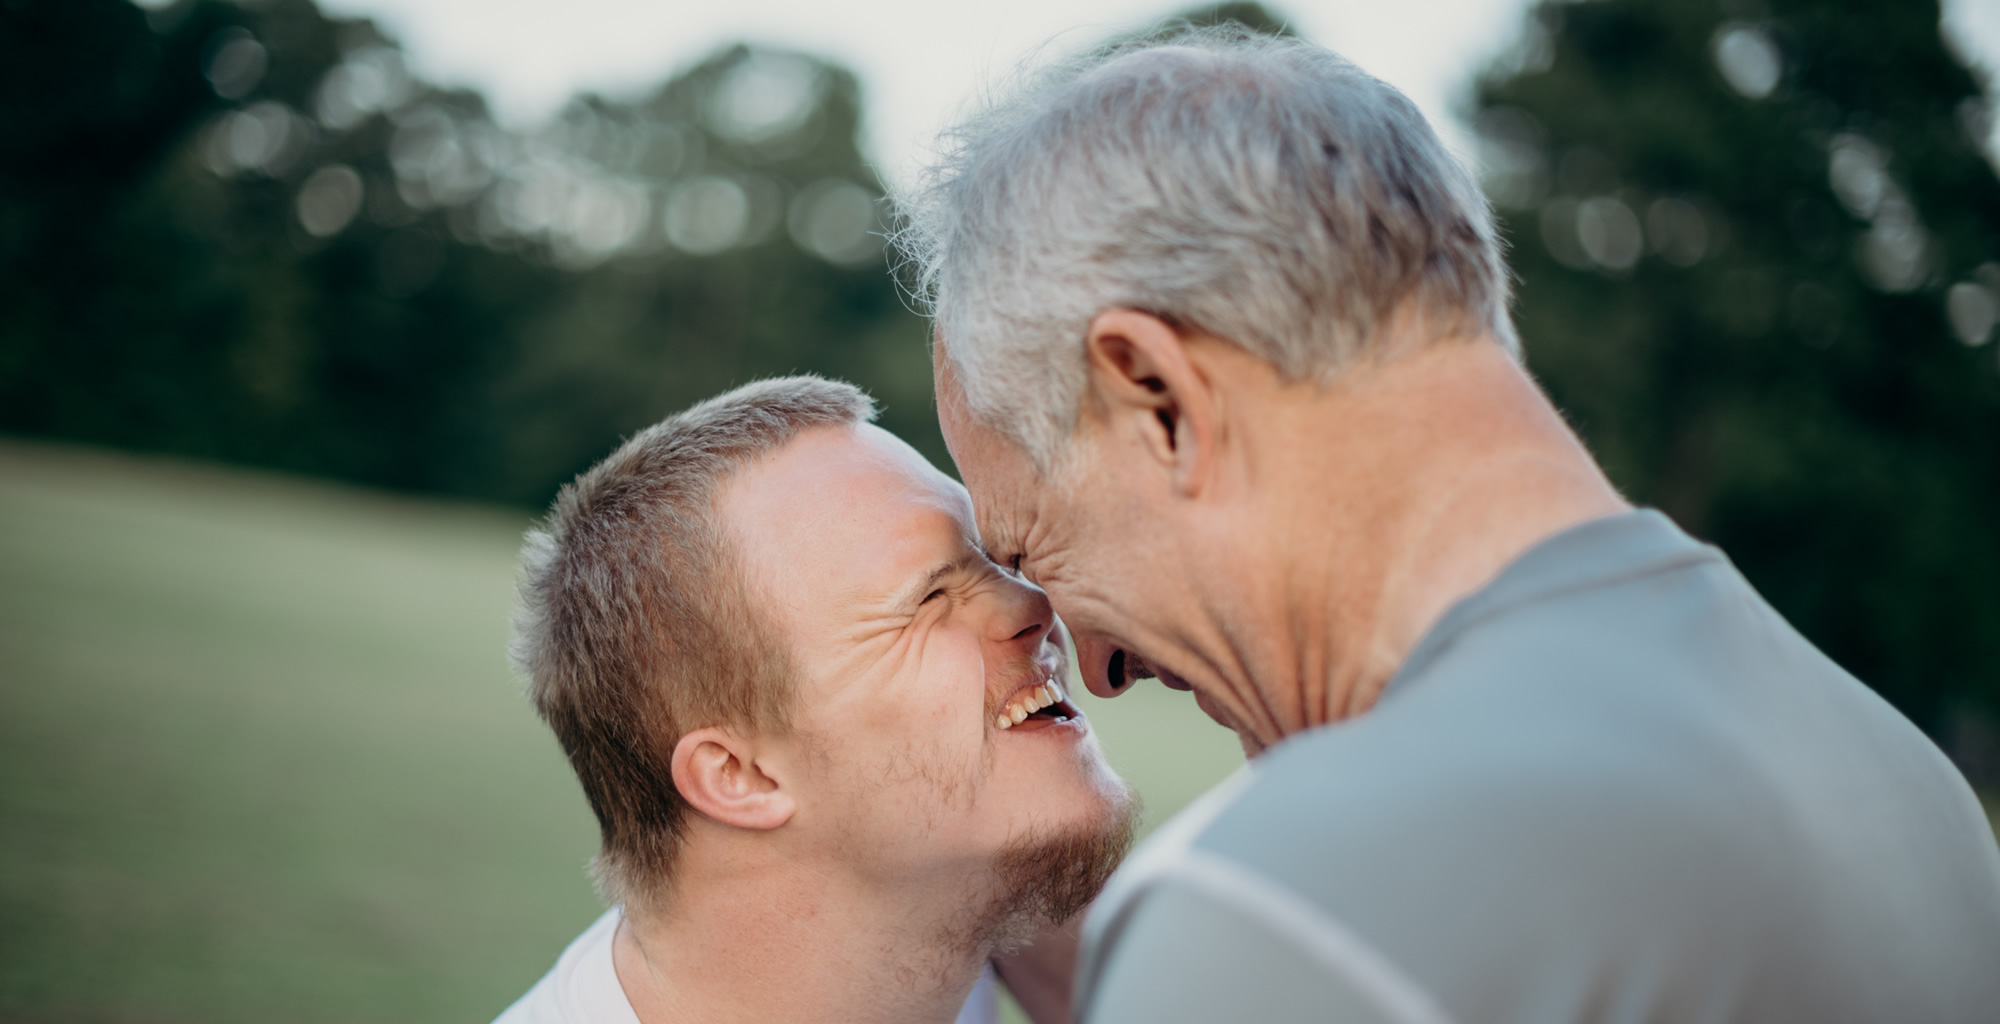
[(1143, 379), (718, 774)]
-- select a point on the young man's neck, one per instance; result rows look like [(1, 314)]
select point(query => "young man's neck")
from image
[(762, 943), (1406, 487)]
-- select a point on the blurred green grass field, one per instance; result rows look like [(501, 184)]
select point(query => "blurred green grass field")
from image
[(262, 758)]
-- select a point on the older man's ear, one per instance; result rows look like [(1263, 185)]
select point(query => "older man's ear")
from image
[(719, 774), (1150, 386)]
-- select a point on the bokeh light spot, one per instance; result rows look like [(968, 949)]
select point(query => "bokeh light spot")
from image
[(1748, 60), (765, 96), (1559, 233), (329, 199), (1895, 253), (236, 63), (264, 137), (1859, 173), (371, 80), (836, 221), (603, 217), (1973, 310), (706, 215), (1608, 231)]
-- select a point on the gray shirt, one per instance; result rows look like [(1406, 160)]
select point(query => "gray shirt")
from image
[(1613, 785)]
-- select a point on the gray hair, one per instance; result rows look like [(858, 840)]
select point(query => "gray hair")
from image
[(635, 625), (1257, 188)]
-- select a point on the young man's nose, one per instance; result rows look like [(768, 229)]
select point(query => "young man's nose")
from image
[(1025, 615)]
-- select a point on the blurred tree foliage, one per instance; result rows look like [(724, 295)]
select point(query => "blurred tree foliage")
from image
[(247, 233), (1756, 245)]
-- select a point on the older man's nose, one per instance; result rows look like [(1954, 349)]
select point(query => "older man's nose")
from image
[(1103, 666)]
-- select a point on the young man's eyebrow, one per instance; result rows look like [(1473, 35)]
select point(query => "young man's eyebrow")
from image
[(920, 589)]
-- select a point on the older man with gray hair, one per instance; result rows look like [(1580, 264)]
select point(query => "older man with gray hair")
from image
[(1223, 354)]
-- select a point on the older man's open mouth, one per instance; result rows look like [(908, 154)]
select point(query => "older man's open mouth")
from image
[(1039, 704)]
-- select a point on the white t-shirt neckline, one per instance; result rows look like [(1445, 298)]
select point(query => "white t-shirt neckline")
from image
[(583, 987)]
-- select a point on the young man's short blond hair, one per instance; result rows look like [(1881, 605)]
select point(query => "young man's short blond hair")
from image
[(635, 626)]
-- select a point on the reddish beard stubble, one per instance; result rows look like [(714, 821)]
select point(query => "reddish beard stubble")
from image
[(1047, 879)]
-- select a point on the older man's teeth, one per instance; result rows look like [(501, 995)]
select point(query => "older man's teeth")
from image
[(1018, 710)]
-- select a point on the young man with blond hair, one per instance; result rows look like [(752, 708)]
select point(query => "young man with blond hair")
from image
[(825, 738)]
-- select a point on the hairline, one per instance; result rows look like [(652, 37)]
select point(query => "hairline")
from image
[(1000, 154), (659, 492)]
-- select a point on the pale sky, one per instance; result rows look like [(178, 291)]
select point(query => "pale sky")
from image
[(922, 61)]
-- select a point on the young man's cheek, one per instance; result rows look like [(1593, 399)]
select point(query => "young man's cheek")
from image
[(955, 676)]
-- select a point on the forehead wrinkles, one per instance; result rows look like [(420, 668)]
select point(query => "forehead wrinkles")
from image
[(1049, 499), (1009, 514), (997, 535), (1042, 544)]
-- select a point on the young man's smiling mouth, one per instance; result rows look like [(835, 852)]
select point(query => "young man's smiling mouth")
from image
[(1037, 705)]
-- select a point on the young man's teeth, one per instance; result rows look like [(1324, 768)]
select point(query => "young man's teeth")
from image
[(1036, 699)]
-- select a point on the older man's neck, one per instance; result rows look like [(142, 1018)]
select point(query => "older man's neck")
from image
[(1420, 480), (778, 945)]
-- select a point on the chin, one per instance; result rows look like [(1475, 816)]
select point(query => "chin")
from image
[(1101, 805), (1055, 870)]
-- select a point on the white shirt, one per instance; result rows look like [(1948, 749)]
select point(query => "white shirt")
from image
[(582, 988)]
